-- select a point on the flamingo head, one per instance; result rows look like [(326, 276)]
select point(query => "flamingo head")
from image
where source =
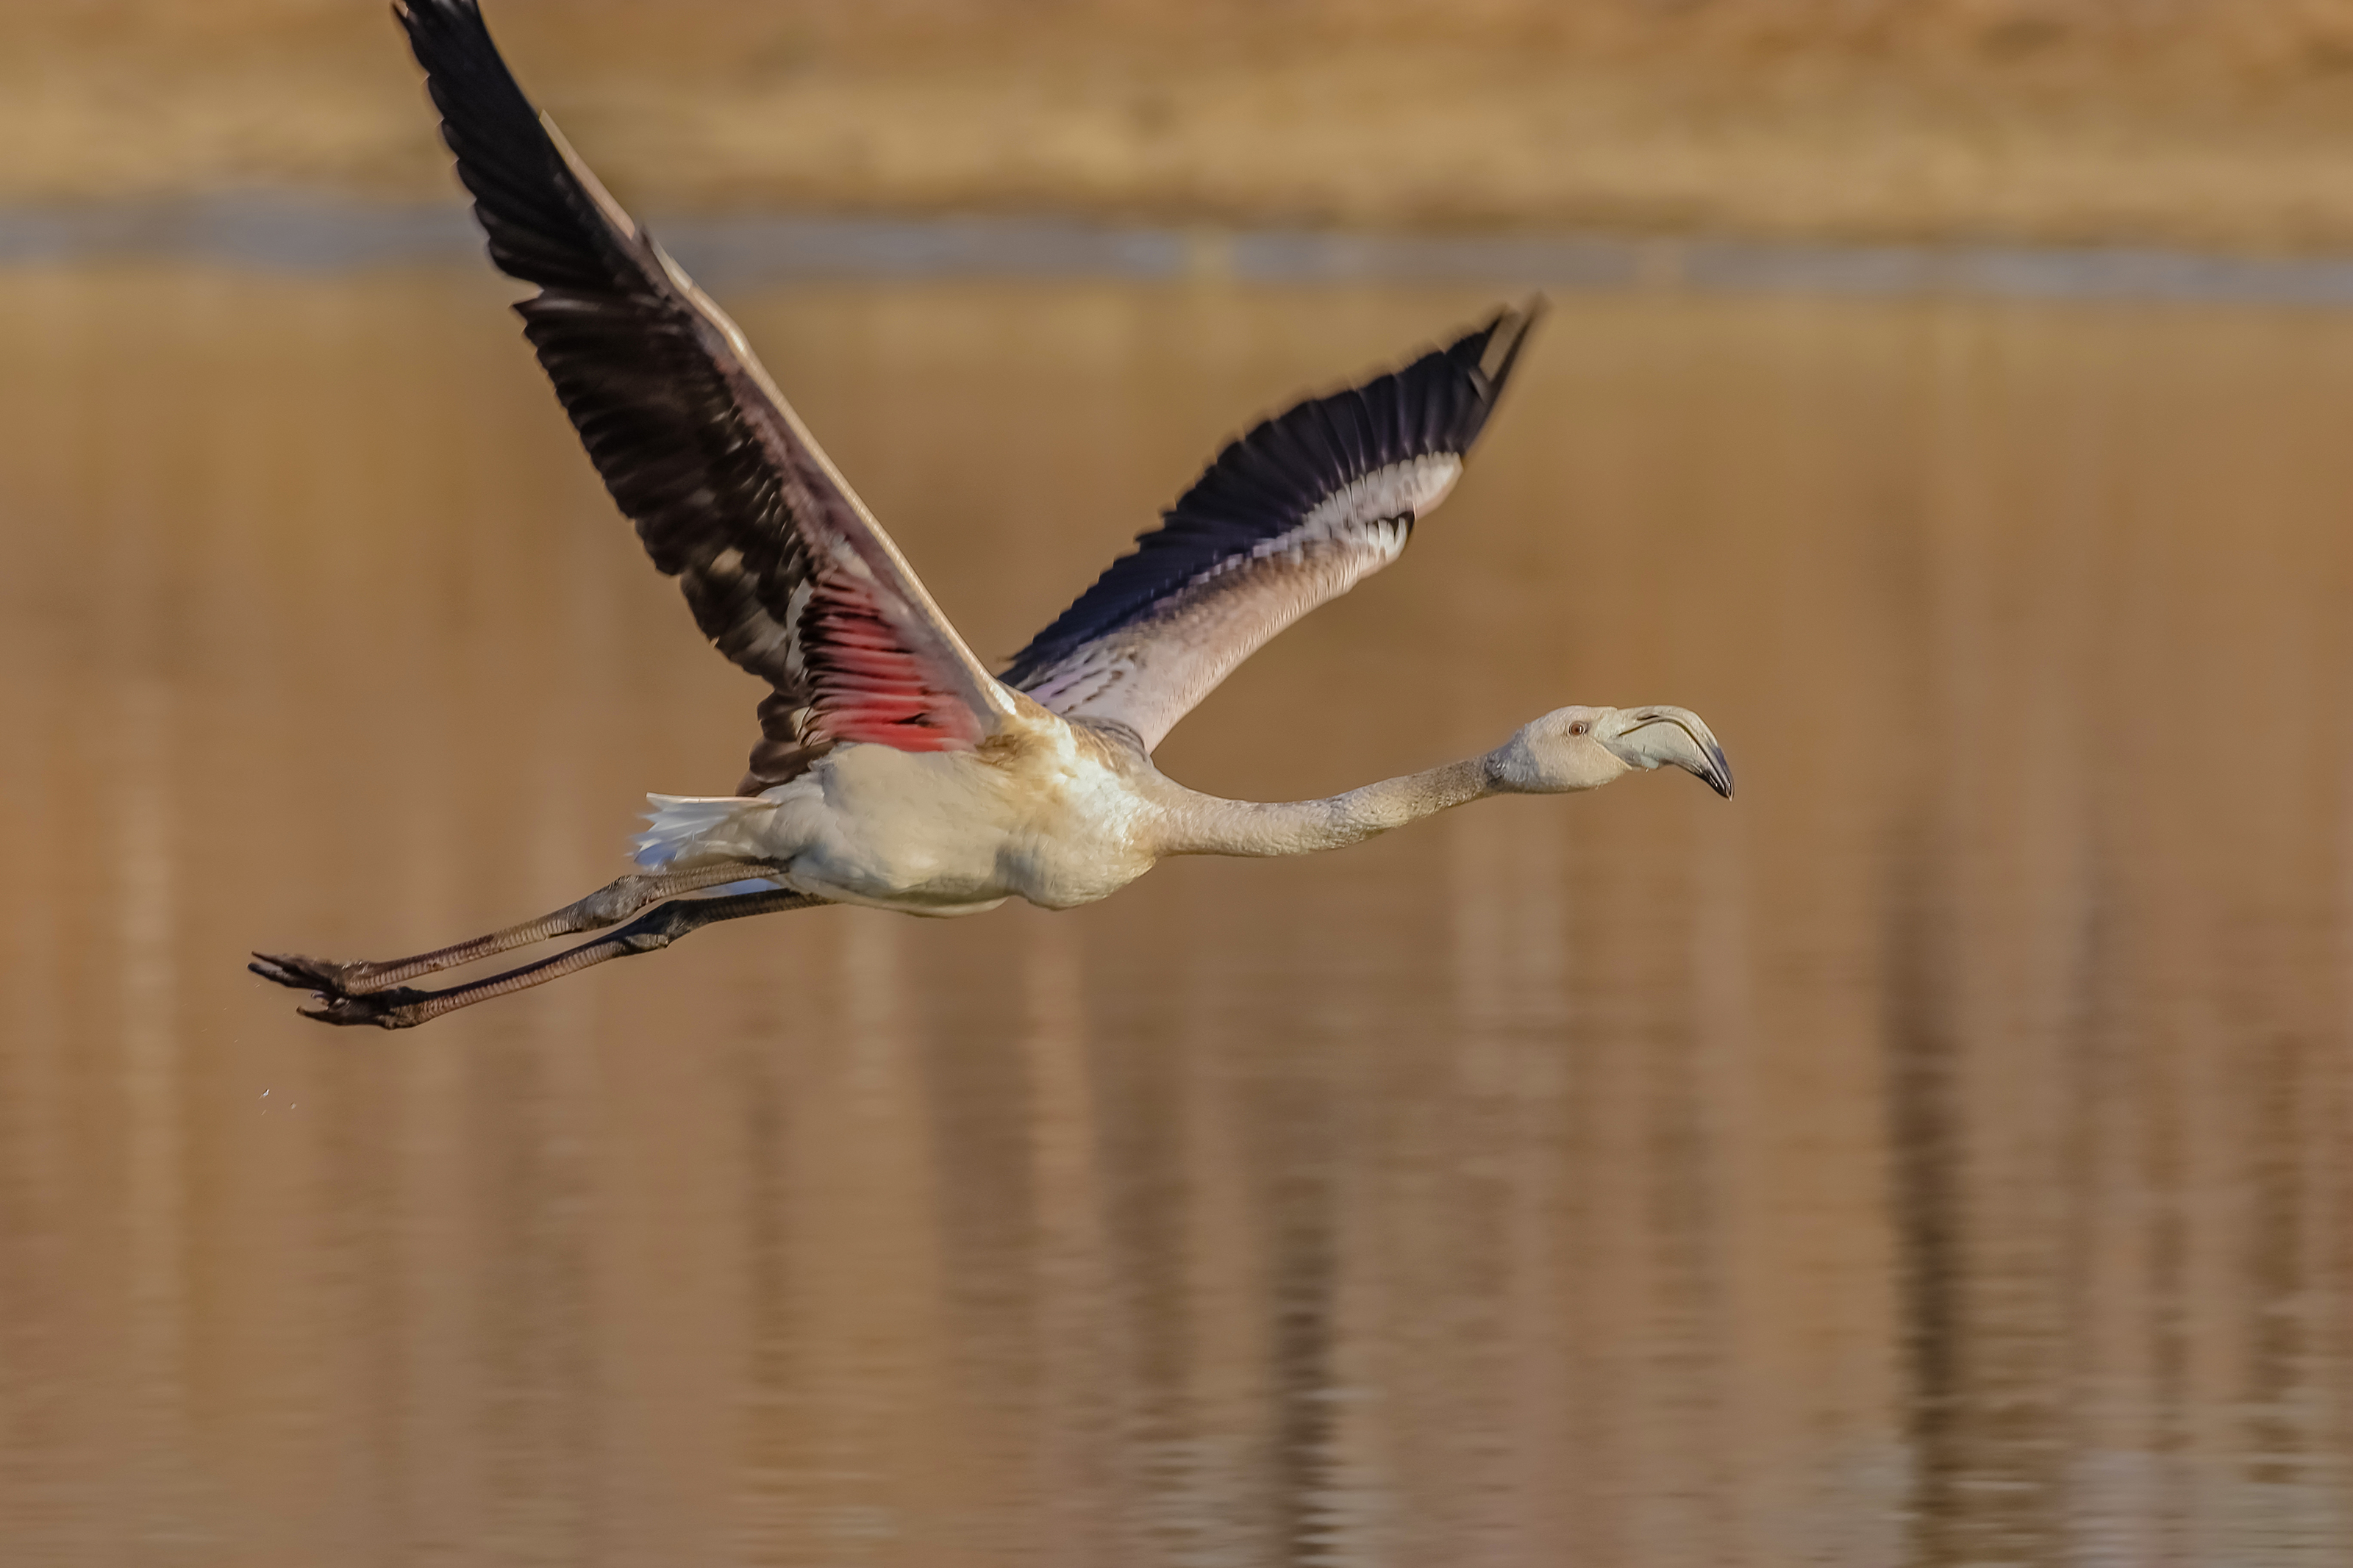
[(1585, 748)]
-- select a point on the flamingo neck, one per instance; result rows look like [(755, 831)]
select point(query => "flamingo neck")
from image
[(1206, 825)]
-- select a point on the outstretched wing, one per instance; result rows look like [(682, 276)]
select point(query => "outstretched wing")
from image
[(786, 571), (1289, 516)]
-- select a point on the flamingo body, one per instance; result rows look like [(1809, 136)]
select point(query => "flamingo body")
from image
[(1047, 811)]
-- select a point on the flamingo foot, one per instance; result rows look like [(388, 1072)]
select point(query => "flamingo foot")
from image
[(390, 1009), (305, 973), (330, 983)]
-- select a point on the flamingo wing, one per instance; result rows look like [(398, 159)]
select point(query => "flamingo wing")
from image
[(786, 571), (1291, 515)]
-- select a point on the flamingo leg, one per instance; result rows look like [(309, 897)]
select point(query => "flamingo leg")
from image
[(402, 1007), (608, 905)]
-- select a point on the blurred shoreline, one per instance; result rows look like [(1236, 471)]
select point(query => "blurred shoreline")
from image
[(2193, 126), (269, 232)]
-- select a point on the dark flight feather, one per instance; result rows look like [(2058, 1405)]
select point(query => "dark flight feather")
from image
[(784, 570), (1287, 516), (1264, 484)]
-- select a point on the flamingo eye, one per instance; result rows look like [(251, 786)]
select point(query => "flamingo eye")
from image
[(1579, 728)]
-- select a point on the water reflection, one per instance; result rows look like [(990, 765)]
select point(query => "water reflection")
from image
[(1937, 1156)]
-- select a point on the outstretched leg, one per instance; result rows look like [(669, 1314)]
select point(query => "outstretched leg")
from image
[(608, 905), (401, 1007)]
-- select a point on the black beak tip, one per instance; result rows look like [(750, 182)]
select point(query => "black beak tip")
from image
[(1720, 778)]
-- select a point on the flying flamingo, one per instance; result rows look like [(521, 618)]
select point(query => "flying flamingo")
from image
[(894, 770)]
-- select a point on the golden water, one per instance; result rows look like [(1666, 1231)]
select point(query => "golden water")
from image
[(1937, 1156)]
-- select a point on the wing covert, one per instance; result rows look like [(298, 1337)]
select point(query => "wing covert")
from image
[(1289, 516)]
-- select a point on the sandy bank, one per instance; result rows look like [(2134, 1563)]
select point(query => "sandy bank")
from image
[(2228, 126)]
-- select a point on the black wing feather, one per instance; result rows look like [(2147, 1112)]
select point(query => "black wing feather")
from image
[(1263, 486), (786, 573), (628, 356)]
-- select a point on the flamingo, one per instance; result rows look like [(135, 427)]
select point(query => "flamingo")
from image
[(893, 769)]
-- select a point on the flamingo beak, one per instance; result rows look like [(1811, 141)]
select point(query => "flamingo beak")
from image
[(1648, 737)]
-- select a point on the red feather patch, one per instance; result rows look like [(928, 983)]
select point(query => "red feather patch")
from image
[(868, 685)]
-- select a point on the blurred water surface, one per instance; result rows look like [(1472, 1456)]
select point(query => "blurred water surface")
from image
[(1937, 1156)]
